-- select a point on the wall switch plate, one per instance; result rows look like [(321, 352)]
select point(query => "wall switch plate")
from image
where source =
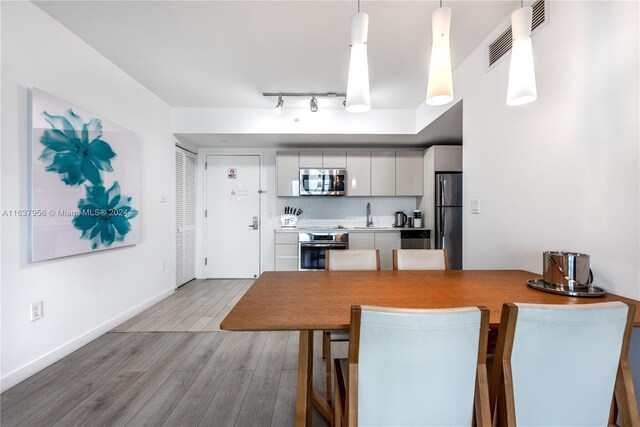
[(36, 311), (475, 206)]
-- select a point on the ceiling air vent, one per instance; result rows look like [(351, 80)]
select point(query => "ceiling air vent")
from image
[(500, 46)]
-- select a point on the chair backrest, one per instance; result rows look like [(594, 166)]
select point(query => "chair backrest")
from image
[(420, 259), (559, 363), (417, 367), (352, 259)]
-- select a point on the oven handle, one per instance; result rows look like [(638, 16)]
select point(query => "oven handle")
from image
[(323, 245)]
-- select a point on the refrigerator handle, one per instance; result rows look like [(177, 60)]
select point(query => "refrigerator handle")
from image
[(442, 225), (441, 190)]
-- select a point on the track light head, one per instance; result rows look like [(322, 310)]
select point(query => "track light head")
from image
[(313, 104), (279, 105)]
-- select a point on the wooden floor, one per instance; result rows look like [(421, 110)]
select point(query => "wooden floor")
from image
[(170, 366)]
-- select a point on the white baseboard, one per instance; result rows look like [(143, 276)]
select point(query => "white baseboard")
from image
[(53, 356)]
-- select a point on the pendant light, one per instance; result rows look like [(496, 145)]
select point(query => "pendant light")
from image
[(440, 84), (522, 76), (358, 97)]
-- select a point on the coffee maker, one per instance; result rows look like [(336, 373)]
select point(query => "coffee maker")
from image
[(417, 219)]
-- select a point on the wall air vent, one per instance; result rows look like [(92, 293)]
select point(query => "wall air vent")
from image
[(500, 46)]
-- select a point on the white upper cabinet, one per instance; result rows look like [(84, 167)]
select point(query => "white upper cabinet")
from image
[(358, 173), (334, 159), (310, 159), (383, 173), (377, 173), (409, 173), (323, 159), (288, 173), (448, 158)]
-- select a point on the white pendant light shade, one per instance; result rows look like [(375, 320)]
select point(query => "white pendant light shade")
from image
[(440, 85), (358, 97), (522, 75)]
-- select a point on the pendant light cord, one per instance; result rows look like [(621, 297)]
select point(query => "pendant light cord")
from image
[(440, 3), (358, 6)]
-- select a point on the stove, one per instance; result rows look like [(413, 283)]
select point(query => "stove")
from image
[(313, 246)]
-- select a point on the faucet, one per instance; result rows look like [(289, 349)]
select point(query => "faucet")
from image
[(369, 219)]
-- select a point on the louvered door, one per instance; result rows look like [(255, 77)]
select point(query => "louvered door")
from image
[(185, 216)]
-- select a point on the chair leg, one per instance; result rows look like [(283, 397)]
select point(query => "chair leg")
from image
[(326, 351), (337, 413)]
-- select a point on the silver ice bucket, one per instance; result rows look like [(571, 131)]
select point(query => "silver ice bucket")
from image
[(567, 269)]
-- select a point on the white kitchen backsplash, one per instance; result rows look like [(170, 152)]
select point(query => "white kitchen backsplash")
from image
[(347, 211)]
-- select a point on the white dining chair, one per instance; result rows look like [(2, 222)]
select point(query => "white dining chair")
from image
[(352, 259), (420, 259), (344, 260), (559, 365), (414, 368)]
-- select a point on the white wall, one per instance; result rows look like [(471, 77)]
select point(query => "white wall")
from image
[(292, 121), (84, 296), (562, 173)]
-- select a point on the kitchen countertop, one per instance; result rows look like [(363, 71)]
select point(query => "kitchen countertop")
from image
[(350, 229)]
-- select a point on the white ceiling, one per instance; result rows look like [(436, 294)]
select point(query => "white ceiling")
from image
[(225, 54)]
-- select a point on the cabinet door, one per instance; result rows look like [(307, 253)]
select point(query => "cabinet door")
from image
[(386, 242), (383, 173), (409, 173), (288, 174), (362, 240), (311, 160), (286, 264), (334, 159), (358, 173), (448, 158)]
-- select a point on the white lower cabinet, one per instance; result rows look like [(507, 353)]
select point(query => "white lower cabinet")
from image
[(286, 251), (386, 243), (362, 241), (286, 247)]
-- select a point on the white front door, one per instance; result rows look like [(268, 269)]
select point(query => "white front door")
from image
[(233, 217)]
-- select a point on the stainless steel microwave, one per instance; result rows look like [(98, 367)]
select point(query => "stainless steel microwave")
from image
[(323, 182)]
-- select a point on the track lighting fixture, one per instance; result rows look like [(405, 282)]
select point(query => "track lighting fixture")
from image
[(279, 105), (313, 104)]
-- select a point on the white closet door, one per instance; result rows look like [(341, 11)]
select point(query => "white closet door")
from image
[(189, 217), (185, 216)]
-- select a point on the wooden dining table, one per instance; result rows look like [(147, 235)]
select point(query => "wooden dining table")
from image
[(322, 300)]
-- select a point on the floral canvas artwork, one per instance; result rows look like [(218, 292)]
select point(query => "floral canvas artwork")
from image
[(85, 182)]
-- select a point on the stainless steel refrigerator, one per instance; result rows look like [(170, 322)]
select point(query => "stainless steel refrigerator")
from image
[(448, 219)]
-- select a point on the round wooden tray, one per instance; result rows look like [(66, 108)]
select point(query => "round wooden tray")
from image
[(587, 291)]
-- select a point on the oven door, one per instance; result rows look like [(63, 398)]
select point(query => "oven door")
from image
[(312, 255)]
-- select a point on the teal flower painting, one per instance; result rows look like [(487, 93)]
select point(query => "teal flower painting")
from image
[(74, 149), (104, 215), (85, 181)]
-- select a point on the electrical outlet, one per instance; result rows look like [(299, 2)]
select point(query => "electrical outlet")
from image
[(162, 266), (36, 311)]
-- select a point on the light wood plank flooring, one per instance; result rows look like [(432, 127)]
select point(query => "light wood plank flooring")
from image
[(170, 366)]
